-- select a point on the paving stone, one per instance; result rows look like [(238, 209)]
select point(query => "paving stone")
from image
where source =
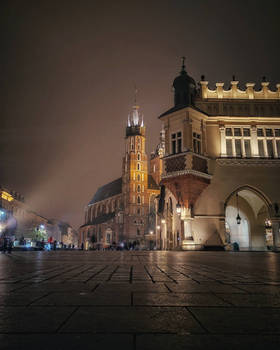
[(32, 319), (65, 341), (256, 300), (202, 342), (177, 299), (85, 298), (132, 319), (239, 320)]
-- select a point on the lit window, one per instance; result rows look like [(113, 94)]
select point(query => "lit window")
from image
[(138, 156), (138, 166), (138, 200)]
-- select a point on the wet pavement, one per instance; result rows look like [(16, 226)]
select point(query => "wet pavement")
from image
[(139, 300)]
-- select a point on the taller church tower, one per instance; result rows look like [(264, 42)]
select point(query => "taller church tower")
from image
[(135, 178)]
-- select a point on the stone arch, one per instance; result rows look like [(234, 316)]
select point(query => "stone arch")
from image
[(254, 209)]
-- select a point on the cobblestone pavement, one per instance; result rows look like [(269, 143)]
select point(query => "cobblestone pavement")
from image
[(139, 300)]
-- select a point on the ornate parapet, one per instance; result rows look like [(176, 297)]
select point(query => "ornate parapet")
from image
[(235, 93)]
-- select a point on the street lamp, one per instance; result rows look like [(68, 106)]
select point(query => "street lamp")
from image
[(238, 218), (178, 208)]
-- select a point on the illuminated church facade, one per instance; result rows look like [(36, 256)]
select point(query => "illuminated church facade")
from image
[(214, 180), (123, 212)]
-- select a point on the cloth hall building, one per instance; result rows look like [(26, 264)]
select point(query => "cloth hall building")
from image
[(218, 168)]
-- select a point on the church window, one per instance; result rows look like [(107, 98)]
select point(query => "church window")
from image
[(138, 156), (138, 177), (138, 166), (138, 188), (176, 142), (196, 143), (138, 200)]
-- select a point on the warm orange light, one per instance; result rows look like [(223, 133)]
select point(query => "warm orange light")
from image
[(6, 196)]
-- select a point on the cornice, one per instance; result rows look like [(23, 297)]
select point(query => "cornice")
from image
[(248, 162)]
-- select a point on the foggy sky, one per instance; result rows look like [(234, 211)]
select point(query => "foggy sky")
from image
[(67, 76)]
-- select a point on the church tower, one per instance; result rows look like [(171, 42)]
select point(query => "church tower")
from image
[(135, 178)]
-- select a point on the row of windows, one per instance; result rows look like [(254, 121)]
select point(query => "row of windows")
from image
[(138, 176), (138, 199), (242, 148), (138, 143), (246, 132), (138, 188), (176, 142)]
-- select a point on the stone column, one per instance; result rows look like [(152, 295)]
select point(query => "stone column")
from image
[(276, 234), (223, 141), (254, 142)]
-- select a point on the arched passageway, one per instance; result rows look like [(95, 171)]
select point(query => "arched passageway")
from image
[(247, 219)]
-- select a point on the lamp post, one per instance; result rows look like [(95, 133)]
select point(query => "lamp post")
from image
[(238, 218), (178, 209)]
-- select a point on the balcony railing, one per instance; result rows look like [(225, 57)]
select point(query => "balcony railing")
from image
[(185, 163)]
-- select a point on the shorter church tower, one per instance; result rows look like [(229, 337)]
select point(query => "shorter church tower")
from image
[(135, 178)]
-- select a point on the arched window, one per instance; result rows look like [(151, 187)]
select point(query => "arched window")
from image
[(138, 177), (138, 188), (138, 232), (138, 166), (138, 200), (138, 156)]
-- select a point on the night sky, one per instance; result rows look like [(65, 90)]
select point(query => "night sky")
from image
[(67, 76)]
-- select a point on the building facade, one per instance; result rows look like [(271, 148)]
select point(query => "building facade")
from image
[(19, 221), (221, 167), (123, 212)]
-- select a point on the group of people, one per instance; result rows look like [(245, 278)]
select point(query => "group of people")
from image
[(6, 244)]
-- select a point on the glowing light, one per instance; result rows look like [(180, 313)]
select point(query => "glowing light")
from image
[(178, 208), (151, 232), (163, 221), (6, 196), (158, 227)]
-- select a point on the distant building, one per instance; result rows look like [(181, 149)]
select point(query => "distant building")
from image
[(123, 211), (221, 167), (18, 220)]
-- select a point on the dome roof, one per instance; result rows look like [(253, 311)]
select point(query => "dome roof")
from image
[(184, 88)]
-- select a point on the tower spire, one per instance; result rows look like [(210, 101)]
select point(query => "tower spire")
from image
[(183, 69)]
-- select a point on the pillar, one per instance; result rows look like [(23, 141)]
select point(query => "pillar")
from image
[(276, 234)]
